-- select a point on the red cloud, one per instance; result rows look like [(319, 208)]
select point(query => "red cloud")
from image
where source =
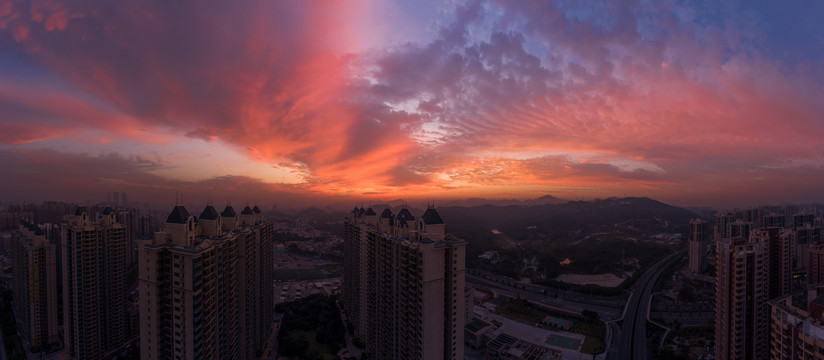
[(532, 95)]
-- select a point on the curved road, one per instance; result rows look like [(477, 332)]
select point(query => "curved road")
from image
[(633, 343)]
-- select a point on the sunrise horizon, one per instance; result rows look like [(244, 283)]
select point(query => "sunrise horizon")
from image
[(692, 105)]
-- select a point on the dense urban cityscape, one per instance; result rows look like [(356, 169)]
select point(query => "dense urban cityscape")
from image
[(115, 280), (411, 180)]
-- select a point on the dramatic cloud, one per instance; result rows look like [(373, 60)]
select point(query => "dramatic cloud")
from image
[(696, 104)]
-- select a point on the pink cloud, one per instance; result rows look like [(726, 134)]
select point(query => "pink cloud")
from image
[(583, 91)]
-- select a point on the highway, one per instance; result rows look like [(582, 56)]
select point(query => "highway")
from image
[(626, 343), (606, 311), (633, 342)]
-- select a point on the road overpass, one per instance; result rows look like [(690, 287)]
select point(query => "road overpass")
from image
[(633, 340)]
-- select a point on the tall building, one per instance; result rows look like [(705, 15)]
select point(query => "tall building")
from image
[(778, 268), (698, 241), (254, 257), (815, 264), (797, 331), (404, 281), (741, 294), (805, 236), (206, 287), (758, 251), (94, 284), (802, 219), (35, 285), (264, 232)]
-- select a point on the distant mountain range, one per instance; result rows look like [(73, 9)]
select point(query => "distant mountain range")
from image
[(547, 214), (586, 216), (543, 200)]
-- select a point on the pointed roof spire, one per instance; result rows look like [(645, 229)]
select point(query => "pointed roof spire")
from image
[(209, 213), (431, 217), (228, 211), (179, 215)]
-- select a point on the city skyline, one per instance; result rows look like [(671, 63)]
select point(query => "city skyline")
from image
[(743, 284), (303, 102)]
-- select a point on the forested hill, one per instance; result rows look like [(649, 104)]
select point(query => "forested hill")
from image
[(643, 214)]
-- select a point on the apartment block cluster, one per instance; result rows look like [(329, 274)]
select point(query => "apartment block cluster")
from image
[(203, 286), (768, 264), (404, 284), (82, 263)]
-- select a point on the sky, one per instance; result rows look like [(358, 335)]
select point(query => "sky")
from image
[(716, 103)]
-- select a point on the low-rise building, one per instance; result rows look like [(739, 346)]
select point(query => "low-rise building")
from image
[(507, 347)]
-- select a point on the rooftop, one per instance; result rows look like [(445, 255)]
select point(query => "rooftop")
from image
[(209, 213), (179, 215), (431, 217), (404, 214), (476, 324), (228, 211)]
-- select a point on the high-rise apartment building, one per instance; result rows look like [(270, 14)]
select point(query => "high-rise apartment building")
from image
[(815, 264), (698, 241), (206, 287), (779, 259), (404, 281), (805, 235), (35, 285), (797, 332), (94, 284), (758, 252), (741, 294)]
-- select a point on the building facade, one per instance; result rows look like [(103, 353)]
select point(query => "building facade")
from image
[(35, 285), (202, 290), (403, 286), (815, 264), (805, 236), (94, 284), (742, 288), (797, 332), (698, 241)]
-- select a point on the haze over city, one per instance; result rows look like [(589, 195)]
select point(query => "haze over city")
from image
[(301, 102)]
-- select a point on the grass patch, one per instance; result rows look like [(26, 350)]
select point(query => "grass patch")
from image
[(298, 274), (311, 328), (529, 313)]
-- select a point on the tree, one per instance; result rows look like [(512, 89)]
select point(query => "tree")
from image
[(686, 294), (294, 346), (590, 315)]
